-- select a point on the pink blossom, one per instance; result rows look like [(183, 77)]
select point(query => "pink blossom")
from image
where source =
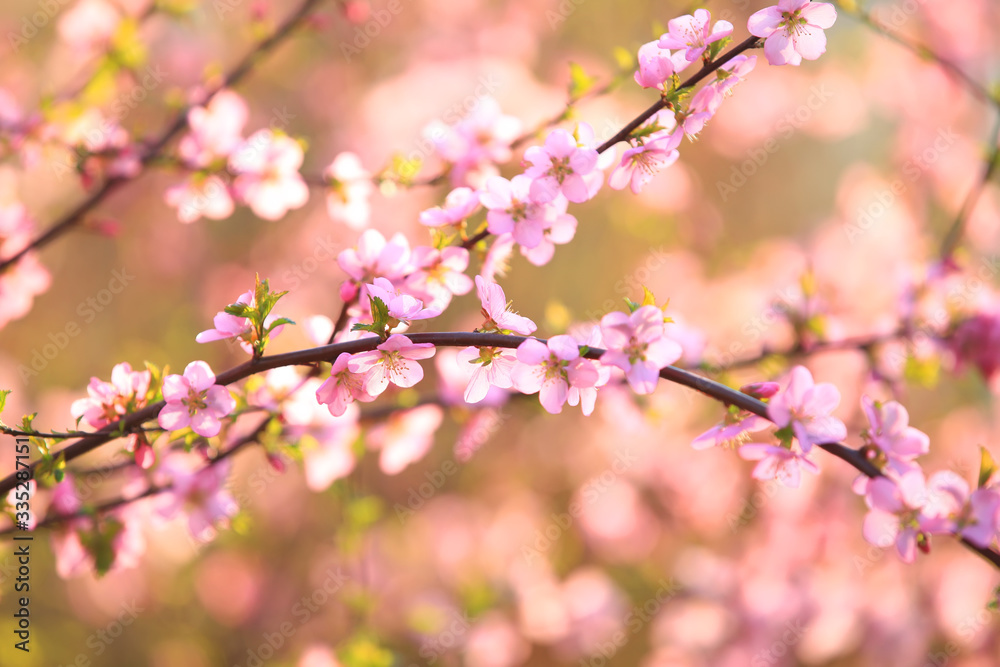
[(194, 400), (807, 408), (974, 516), (895, 515), (342, 387), (405, 437), (89, 24), (738, 424), (976, 341), (196, 198), (551, 369), (493, 367), (793, 30), (240, 328), (512, 210), (497, 262), (640, 163), (497, 312), (110, 401), (73, 557), (891, 433), (657, 65), (476, 143), (216, 130), (350, 188), (778, 463), (637, 344), (693, 34), (559, 230), (559, 168), (198, 492), (373, 257), (269, 181), (458, 205), (394, 361), (401, 306), (439, 275)]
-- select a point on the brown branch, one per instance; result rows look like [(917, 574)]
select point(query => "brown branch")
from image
[(328, 353), (109, 186)]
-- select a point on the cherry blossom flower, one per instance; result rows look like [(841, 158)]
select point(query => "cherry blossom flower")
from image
[(393, 361), (401, 306), (559, 230), (512, 210), (110, 401), (738, 424), (559, 167), (778, 463), (493, 367), (693, 34), (342, 387), (640, 163), (240, 328), (439, 275), (497, 312), (476, 143), (373, 257), (497, 262), (196, 197), (89, 25), (198, 492), (807, 408), (657, 65), (976, 341), (793, 30), (637, 345), (895, 515), (216, 130), (20, 283), (269, 180), (405, 437), (350, 188), (952, 508), (891, 433), (458, 205), (551, 369), (194, 400)]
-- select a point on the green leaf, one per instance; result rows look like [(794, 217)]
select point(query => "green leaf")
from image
[(715, 48), (987, 466), (238, 310), (3, 402), (380, 312), (279, 322)]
